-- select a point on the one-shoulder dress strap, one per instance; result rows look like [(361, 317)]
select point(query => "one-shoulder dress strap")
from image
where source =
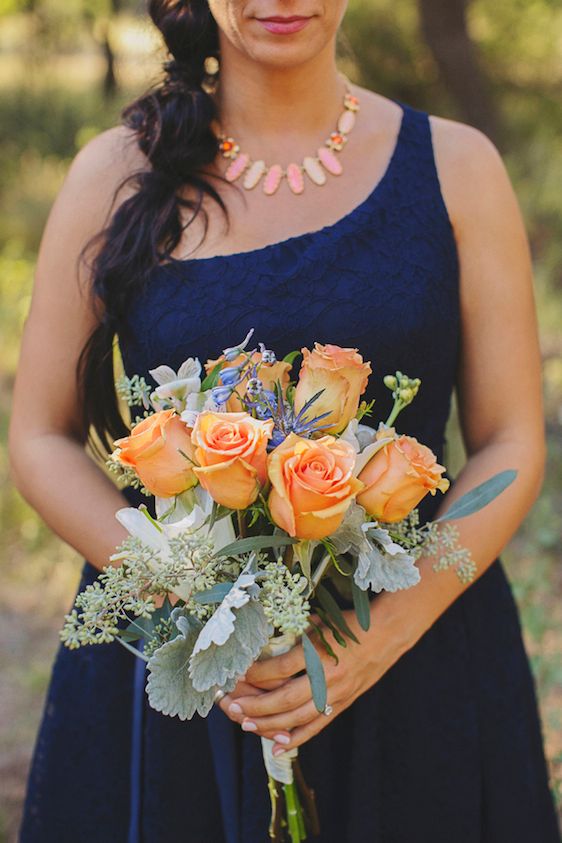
[(416, 168)]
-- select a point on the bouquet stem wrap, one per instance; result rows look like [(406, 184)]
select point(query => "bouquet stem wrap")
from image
[(279, 769), (293, 803)]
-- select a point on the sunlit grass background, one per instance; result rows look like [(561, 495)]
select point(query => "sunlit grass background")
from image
[(52, 100)]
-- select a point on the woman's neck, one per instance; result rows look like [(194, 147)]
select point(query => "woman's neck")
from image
[(279, 105)]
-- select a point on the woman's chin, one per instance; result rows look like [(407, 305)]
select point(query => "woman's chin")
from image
[(284, 52)]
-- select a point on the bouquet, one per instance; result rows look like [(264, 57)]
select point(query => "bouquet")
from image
[(273, 502)]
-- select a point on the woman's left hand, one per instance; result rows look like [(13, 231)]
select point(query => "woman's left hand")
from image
[(288, 714)]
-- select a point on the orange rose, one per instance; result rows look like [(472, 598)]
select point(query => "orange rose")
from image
[(398, 477), (268, 374), (343, 376), (231, 451), (153, 450), (312, 485)]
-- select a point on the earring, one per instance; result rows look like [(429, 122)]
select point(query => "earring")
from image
[(212, 65)]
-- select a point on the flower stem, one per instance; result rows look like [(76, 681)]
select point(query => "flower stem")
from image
[(396, 410), (132, 650), (300, 816), (242, 524), (320, 571), (276, 813), (309, 799), (291, 798), (288, 556)]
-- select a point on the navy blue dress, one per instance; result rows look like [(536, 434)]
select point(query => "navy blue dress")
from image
[(447, 746)]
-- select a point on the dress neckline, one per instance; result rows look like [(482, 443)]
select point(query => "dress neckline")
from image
[(331, 228)]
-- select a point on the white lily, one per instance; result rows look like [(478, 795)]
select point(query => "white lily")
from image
[(174, 388), (157, 535), (364, 440), (198, 402), (191, 509), (359, 435)]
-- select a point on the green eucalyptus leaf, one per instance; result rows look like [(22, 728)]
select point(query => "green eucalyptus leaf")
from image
[(216, 594), (162, 613), (315, 672), (130, 633), (144, 627), (333, 629), (325, 643), (330, 606), (361, 605), (137, 629), (479, 497), (246, 545)]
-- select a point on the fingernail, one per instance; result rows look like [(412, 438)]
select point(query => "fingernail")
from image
[(282, 739), (278, 751), (234, 708), (249, 726)]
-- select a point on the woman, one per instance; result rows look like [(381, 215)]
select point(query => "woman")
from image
[(416, 254)]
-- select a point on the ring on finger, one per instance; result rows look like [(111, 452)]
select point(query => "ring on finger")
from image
[(219, 695), (328, 710)]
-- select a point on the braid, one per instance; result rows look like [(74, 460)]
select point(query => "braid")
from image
[(172, 124)]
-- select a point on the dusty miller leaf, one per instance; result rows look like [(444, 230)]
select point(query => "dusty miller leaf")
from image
[(385, 565), (349, 537), (169, 687), (220, 626), (217, 664)]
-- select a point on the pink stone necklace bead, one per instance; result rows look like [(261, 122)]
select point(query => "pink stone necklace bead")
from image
[(316, 167)]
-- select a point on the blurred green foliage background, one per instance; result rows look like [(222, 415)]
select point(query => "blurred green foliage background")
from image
[(66, 69)]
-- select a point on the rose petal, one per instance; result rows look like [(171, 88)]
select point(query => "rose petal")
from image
[(232, 484)]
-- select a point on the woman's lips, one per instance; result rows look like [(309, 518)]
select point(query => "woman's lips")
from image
[(284, 26)]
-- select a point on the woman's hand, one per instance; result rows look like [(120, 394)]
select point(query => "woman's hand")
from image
[(283, 710)]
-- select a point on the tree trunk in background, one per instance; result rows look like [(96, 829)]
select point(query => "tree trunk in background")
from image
[(444, 27), (110, 79)]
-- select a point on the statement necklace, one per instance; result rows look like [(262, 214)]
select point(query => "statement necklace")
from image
[(315, 167)]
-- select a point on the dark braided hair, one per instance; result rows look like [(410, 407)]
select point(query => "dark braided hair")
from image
[(172, 124)]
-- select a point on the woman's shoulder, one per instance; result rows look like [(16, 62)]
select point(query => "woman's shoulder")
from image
[(456, 143), (459, 144), (108, 158), (97, 180), (471, 170)]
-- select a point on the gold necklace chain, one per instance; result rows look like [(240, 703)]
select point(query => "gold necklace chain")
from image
[(315, 167)]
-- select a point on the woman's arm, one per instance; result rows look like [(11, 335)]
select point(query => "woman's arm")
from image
[(499, 383), (499, 389), (50, 466)]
